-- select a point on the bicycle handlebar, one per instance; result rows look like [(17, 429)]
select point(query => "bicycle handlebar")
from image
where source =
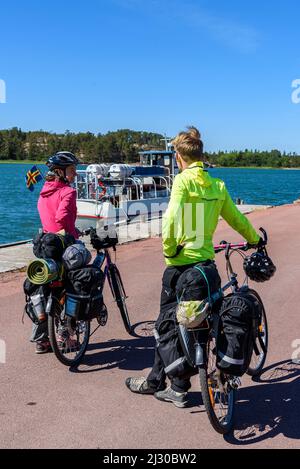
[(242, 246), (100, 243), (223, 245)]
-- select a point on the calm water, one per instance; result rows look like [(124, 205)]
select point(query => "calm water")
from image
[(20, 220)]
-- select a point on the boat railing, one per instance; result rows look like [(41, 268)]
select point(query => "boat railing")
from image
[(89, 182), (87, 186), (133, 179), (165, 179)]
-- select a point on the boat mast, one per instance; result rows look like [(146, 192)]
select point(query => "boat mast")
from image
[(167, 141)]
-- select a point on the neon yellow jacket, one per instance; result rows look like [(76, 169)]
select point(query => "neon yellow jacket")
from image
[(197, 200)]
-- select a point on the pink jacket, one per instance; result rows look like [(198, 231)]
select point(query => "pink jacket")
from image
[(57, 207)]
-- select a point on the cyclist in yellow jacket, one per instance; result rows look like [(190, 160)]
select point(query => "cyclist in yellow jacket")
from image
[(197, 201)]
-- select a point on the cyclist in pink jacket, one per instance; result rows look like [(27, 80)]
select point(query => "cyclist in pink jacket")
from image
[(57, 202), (57, 210)]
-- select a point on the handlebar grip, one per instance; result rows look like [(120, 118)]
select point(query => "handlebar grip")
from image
[(265, 236)]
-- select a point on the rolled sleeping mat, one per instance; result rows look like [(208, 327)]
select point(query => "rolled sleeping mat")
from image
[(41, 271)]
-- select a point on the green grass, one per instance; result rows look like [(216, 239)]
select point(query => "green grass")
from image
[(22, 161)]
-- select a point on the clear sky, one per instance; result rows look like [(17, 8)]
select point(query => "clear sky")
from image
[(98, 65)]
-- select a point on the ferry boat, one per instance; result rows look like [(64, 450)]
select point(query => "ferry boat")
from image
[(116, 194)]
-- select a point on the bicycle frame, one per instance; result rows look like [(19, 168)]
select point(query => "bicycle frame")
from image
[(108, 265)]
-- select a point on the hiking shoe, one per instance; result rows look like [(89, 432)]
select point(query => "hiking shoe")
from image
[(139, 386), (179, 399), (43, 346), (68, 345)]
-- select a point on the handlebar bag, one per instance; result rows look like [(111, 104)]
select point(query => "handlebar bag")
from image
[(235, 330)]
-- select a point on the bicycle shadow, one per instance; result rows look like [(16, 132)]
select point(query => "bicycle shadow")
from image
[(130, 354), (270, 409)]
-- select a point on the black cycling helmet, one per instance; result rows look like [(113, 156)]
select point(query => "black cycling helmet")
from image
[(259, 267), (61, 160)]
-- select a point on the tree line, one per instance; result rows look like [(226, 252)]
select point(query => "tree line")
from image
[(255, 158), (122, 146)]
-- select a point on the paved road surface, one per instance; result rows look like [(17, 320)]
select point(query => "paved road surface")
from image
[(43, 404)]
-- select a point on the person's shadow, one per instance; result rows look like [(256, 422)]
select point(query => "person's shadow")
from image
[(262, 411), (270, 409), (129, 354)]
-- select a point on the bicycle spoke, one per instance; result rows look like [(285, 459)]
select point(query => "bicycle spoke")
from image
[(220, 395)]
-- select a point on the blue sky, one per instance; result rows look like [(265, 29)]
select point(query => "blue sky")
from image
[(226, 67)]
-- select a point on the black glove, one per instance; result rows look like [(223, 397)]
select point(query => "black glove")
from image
[(259, 245), (178, 251)]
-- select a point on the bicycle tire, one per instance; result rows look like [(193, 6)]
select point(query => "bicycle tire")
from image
[(206, 390), (256, 371), (119, 295), (57, 309)]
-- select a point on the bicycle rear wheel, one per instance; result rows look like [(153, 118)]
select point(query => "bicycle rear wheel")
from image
[(258, 359), (217, 394), (119, 295), (69, 338)]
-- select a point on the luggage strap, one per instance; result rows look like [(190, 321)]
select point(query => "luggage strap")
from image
[(207, 282)]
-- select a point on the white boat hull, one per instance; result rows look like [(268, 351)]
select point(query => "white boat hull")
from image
[(100, 215)]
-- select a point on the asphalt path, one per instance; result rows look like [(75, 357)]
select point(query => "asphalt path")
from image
[(45, 405)]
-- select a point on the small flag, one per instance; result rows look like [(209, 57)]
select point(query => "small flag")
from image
[(32, 177)]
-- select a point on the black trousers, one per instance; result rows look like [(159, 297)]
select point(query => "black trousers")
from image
[(157, 377)]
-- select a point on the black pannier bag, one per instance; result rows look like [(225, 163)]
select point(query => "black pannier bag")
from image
[(85, 281), (169, 347), (235, 330), (84, 299), (191, 285), (36, 300), (194, 290), (51, 245)]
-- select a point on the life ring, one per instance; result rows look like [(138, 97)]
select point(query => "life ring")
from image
[(101, 193)]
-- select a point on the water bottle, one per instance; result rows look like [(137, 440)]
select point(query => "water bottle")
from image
[(38, 302), (99, 259)]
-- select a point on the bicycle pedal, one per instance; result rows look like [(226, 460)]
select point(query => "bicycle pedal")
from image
[(234, 382), (103, 316)]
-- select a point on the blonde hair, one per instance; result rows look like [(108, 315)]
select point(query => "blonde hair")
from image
[(54, 175), (189, 144)]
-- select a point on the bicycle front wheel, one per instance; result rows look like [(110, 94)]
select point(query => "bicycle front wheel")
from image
[(261, 343), (119, 295), (69, 338), (217, 394)]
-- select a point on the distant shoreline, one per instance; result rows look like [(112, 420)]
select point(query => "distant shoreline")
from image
[(21, 162), (253, 167), (216, 167)]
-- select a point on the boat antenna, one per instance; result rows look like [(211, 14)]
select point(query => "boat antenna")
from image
[(167, 141)]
